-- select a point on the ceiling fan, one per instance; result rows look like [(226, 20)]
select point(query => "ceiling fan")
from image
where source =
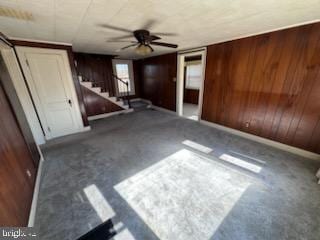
[(144, 39)]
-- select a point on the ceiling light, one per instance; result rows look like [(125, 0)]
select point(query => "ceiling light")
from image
[(143, 49)]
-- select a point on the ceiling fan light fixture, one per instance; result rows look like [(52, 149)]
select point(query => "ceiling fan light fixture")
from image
[(143, 49)]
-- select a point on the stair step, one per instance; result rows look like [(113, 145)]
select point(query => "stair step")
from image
[(103, 93), (113, 99), (87, 84), (96, 89)]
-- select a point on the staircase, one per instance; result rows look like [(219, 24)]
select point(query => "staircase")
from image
[(94, 87)]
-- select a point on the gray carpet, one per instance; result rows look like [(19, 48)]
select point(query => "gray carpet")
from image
[(158, 176)]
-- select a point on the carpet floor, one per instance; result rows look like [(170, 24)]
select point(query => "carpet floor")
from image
[(158, 176)]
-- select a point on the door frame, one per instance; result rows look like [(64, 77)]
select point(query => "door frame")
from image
[(21, 52), (180, 78), (20, 86)]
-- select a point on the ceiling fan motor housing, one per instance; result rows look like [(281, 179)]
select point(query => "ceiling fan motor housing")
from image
[(142, 36)]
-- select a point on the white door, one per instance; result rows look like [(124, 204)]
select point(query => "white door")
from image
[(50, 81)]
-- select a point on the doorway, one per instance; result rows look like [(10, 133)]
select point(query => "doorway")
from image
[(50, 81), (191, 69)]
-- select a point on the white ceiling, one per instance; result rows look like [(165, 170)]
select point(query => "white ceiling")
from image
[(197, 22)]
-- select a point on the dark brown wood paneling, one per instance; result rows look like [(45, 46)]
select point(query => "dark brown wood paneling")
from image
[(8, 86), (267, 85), (191, 96), (72, 66), (97, 68), (16, 188), (96, 104), (138, 80), (159, 80)]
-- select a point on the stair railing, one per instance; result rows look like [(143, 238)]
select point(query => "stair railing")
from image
[(123, 88)]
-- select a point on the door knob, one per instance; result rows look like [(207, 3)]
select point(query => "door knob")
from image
[(70, 103)]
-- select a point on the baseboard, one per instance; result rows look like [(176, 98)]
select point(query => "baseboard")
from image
[(85, 129), (105, 115), (284, 147), (34, 203), (146, 101), (294, 150), (135, 99)]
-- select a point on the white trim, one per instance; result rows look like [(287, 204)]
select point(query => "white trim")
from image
[(105, 115), (192, 50), (180, 76), (23, 94), (135, 99), (86, 128), (40, 41), (4, 46), (34, 203), (265, 141), (284, 147)]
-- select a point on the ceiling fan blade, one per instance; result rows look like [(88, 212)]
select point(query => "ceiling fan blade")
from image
[(154, 37), (120, 41), (164, 44), (149, 24), (114, 28), (121, 38), (165, 34), (131, 45)]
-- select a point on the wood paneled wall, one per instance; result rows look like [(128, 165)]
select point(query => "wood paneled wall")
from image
[(18, 169), (159, 80), (97, 68), (138, 80), (267, 85), (191, 96), (10, 91), (95, 104)]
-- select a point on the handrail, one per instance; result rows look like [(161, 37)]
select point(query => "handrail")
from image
[(127, 86), (121, 80)]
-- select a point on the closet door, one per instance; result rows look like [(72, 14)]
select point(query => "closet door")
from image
[(50, 81), (17, 170)]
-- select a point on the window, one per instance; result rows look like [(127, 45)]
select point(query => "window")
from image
[(123, 73), (193, 76), (123, 69)]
